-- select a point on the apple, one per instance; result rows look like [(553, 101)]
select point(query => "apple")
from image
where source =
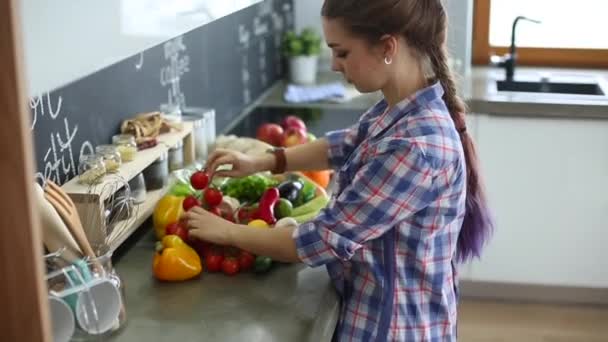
[(294, 136), (293, 121), (270, 133)]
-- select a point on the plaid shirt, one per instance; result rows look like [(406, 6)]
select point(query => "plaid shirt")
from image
[(388, 235)]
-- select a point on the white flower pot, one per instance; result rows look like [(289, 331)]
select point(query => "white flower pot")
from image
[(303, 69)]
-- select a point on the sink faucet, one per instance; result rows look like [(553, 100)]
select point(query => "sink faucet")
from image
[(508, 61)]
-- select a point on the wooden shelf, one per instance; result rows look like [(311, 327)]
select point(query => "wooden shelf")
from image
[(90, 200), (125, 228), (131, 169)]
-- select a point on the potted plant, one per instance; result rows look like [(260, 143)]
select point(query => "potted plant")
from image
[(302, 52)]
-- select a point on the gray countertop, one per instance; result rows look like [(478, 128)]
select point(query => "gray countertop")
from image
[(482, 97), (290, 303)]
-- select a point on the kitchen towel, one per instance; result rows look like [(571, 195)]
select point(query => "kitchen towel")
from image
[(329, 91)]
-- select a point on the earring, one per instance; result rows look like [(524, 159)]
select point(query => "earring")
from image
[(387, 60)]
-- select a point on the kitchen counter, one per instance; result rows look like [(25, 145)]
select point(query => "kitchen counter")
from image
[(481, 95), (484, 98), (290, 303)]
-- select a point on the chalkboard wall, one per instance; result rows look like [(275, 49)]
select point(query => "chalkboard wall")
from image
[(225, 65)]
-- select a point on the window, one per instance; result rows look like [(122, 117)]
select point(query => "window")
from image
[(571, 33)]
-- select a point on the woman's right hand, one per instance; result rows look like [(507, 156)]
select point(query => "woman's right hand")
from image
[(242, 164)]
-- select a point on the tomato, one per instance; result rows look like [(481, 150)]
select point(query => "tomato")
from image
[(190, 202), (176, 228), (216, 211), (212, 249), (213, 197), (199, 180), (230, 266), (246, 260), (214, 262)]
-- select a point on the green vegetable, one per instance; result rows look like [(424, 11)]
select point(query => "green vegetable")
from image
[(305, 217), (182, 189), (307, 193), (248, 189), (283, 208), (262, 264), (313, 206)]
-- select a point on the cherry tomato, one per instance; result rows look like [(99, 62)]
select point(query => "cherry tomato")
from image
[(199, 180), (246, 260), (214, 263), (176, 228), (216, 211), (230, 266), (190, 202), (213, 197)]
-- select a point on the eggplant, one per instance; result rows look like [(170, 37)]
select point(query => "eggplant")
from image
[(290, 190)]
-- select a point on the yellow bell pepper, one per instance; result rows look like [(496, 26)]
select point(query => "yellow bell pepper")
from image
[(168, 210), (175, 260)]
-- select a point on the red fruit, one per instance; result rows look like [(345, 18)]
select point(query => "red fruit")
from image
[(228, 217), (216, 211), (293, 121), (213, 262), (294, 136), (270, 133), (230, 266), (176, 228), (246, 260), (199, 180), (213, 197), (190, 202), (199, 246)]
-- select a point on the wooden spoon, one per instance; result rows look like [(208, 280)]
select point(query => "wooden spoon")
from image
[(55, 234), (68, 212)]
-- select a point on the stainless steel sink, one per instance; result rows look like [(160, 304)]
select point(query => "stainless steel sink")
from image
[(551, 87)]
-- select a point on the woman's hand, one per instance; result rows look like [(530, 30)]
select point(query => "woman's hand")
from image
[(209, 227), (242, 164)]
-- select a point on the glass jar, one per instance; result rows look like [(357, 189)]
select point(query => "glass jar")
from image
[(209, 124), (102, 269), (171, 112), (176, 156), (126, 146), (91, 169), (111, 157), (199, 137), (157, 174)]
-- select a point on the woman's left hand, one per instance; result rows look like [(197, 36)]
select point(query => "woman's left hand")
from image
[(207, 226)]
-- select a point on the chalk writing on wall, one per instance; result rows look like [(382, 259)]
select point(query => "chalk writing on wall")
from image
[(170, 75), (60, 163)]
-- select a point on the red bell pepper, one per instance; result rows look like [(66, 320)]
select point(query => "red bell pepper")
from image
[(266, 207)]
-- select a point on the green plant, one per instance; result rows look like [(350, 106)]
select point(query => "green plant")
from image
[(307, 43)]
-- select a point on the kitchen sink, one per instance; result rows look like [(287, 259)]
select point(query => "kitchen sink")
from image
[(551, 87)]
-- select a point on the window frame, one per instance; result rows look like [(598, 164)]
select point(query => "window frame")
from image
[(551, 57)]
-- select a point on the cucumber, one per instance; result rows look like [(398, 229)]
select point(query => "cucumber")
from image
[(314, 205), (306, 217)]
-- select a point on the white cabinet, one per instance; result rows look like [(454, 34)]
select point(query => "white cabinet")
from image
[(547, 181)]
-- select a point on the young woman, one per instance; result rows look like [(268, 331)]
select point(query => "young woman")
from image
[(409, 203)]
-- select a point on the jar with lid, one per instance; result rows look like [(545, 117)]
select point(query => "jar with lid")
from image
[(156, 175), (126, 146), (111, 157), (91, 169), (176, 156)]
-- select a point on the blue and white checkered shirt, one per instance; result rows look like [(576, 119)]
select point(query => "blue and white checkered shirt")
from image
[(388, 235)]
